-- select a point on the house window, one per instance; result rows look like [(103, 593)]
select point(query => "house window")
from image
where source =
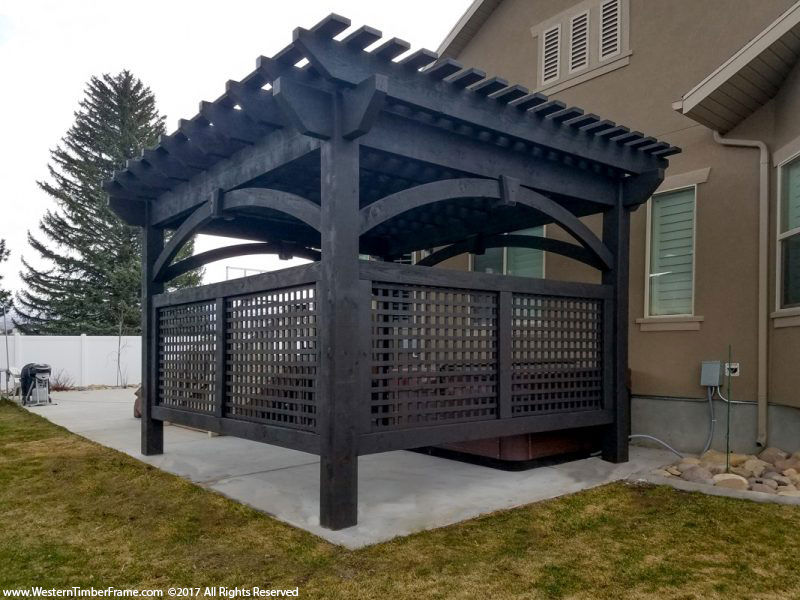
[(670, 276), (789, 235), (522, 262), (610, 34), (579, 42), (551, 54)]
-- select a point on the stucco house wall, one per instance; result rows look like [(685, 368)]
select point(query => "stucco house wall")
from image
[(674, 45)]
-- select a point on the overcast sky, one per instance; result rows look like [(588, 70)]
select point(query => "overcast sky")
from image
[(184, 50)]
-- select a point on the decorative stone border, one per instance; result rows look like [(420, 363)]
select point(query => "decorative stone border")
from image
[(712, 490), (772, 473)]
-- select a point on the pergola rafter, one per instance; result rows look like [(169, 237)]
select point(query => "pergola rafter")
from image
[(329, 152)]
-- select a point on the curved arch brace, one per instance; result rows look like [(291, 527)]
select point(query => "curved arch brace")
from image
[(200, 217), (569, 222), (395, 204), (198, 260), (514, 241), (291, 204)]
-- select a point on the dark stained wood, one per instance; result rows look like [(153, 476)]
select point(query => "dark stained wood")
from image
[(411, 274), (515, 241), (616, 235), (270, 434), (293, 205), (341, 63), (272, 280), (152, 427), (285, 251), (362, 105), (188, 228), (358, 152), (391, 134), (386, 441), (341, 308), (275, 150), (305, 107), (362, 37), (406, 200), (504, 354)]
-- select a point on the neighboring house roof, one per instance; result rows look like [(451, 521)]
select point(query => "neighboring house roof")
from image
[(469, 23), (748, 79)]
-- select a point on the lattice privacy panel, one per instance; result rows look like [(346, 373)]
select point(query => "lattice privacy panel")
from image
[(557, 349), (186, 349), (433, 356), (272, 357)]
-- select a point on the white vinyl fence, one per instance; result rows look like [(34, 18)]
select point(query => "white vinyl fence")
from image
[(79, 359)]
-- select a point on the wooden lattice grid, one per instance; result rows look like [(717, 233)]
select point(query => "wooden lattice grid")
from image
[(433, 355), (186, 356), (271, 357), (557, 354)]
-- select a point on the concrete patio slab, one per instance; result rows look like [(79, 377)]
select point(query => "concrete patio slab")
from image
[(399, 492)]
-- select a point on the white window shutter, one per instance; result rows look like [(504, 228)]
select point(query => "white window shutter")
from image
[(672, 253), (579, 42), (610, 29), (551, 54)]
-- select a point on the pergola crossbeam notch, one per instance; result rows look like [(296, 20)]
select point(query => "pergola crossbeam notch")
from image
[(362, 105), (308, 109)]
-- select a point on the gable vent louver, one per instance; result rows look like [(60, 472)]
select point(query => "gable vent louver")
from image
[(579, 42), (609, 29), (551, 54)]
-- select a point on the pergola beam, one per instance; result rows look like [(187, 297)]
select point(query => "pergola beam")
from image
[(345, 65), (275, 150), (391, 134)]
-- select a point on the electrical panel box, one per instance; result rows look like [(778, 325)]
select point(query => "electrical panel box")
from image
[(711, 373)]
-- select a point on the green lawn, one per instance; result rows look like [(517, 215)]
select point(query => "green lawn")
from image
[(73, 513)]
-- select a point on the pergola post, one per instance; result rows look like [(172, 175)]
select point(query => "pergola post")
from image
[(341, 305), (616, 237), (152, 245)]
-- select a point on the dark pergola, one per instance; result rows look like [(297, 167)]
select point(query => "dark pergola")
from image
[(329, 152)]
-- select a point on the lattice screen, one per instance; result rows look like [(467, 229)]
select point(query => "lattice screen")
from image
[(557, 350), (186, 347), (433, 356), (272, 357)]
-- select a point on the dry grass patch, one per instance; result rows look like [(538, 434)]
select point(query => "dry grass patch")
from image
[(75, 513)]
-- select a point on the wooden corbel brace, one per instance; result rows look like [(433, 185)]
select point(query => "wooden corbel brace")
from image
[(509, 190), (638, 188), (362, 104), (217, 202), (308, 109)]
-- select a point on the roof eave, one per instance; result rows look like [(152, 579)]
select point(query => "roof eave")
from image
[(698, 103)]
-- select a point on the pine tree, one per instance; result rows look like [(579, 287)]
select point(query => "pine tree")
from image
[(92, 281), (5, 295)]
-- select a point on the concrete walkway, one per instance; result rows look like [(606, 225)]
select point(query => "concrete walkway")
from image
[(399, 492)]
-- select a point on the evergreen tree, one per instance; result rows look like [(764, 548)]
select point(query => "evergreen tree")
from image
[(92, 282), (5, 295)]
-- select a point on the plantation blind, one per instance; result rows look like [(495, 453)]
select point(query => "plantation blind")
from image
[(790, 218), (490, 261), (551, 54), (579, 42), (610, 29), (671, 272), (789, 236), (526, 262), (521, 262)]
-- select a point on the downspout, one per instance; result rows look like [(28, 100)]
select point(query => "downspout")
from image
[(763, 250)]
